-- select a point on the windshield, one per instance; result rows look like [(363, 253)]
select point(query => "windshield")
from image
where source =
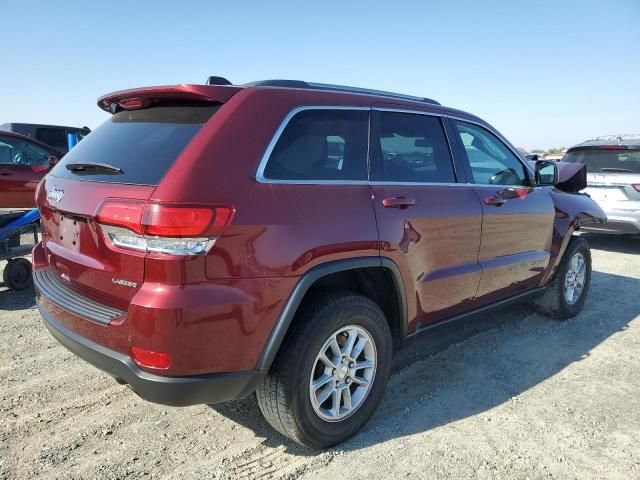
[(606, 161), (141, 144)]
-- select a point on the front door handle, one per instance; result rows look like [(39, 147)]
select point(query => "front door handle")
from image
[(4, 171), (495, 201), (398, 202)]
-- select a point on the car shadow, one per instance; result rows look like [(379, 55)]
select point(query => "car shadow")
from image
[(467, 368), (614, 243), (11, 300)]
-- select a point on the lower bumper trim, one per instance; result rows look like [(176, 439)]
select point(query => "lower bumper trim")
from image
[(175, 391)]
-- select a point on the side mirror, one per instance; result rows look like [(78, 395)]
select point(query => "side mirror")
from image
[(53, 160), (546, 172), (532, 157)]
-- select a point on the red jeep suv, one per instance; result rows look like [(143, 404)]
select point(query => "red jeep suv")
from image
[(283, 237)]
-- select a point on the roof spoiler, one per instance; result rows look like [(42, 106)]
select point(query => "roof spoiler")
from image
[(140, 97)]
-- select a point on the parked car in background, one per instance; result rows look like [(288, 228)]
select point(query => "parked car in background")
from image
[(53, 135), (23, 163), (284, 237), (613, 180)]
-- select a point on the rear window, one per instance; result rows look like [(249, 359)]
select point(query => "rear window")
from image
[(143, 144), (56, 137), (606, 161), (321, 144)]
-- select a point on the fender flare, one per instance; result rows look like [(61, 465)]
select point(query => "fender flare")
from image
[(305, 282)]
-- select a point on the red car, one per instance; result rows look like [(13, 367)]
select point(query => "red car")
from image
[(283, 237), (23, 163)]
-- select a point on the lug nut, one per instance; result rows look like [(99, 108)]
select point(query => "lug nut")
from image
[(351, 364), (348, 380), (333, 372)]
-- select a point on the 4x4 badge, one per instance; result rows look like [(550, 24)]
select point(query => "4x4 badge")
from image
[(55, 195)]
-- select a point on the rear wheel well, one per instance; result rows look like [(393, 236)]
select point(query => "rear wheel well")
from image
[(375, 283)]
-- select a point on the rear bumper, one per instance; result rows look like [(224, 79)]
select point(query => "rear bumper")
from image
[(618, 222), (175, 391)]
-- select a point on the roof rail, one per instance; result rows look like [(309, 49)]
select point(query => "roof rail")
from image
[(619, 137), (338, 88)]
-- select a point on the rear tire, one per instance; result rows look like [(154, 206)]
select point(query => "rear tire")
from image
[(17, 274), (567, 291), (308, 368)]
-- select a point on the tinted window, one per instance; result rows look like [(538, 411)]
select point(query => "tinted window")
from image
[(606, 161), (491, 161), (322, 145), (143, 143), (414, 149), (14, 151), (56, 137)]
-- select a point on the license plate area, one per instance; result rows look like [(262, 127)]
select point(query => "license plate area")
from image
[(69, 231), (605, 194)]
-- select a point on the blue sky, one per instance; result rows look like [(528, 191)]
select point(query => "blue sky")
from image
[(545, 73)]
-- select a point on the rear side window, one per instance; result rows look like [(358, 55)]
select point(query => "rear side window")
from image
[(321, 144), (143, 144), (606, 160), (414, 148), (56, 137)]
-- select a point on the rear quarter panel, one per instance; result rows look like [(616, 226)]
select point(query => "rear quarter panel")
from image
[(278, 229)]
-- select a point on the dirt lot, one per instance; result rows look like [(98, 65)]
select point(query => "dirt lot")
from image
[(514, 395)]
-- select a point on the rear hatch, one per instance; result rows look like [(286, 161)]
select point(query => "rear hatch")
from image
[(106, 180), (613, 173)]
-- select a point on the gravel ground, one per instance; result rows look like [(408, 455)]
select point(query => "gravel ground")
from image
[(513, 395)]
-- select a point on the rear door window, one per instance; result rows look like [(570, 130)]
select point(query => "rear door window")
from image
[(321, 145), (414, 148), (143, 144)]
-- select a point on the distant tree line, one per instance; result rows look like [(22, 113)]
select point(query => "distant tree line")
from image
[(539, 151)]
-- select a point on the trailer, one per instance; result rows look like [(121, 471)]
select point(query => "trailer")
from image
[(18, 236)]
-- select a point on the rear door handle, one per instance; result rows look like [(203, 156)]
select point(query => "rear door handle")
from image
[(4, 171), (495, 201), (398, 202)]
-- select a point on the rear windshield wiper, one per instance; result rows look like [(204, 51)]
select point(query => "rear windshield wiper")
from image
[(93, 169), (616, 169)]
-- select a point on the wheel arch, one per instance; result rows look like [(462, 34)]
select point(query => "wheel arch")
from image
[(312, 278)]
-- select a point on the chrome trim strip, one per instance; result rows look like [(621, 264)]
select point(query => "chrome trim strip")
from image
[(423, 184), (260, 178)]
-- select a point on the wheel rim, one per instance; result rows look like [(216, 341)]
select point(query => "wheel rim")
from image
[(343, 373), (575, 278)]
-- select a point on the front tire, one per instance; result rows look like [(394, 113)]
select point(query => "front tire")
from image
[(567, 291), (331, 371)]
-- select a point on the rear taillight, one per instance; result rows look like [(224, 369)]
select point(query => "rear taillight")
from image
[(175, 229), (636, 186)]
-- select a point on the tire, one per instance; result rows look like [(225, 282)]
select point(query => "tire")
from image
[(286, 397), (554, 303), (17, 274)]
